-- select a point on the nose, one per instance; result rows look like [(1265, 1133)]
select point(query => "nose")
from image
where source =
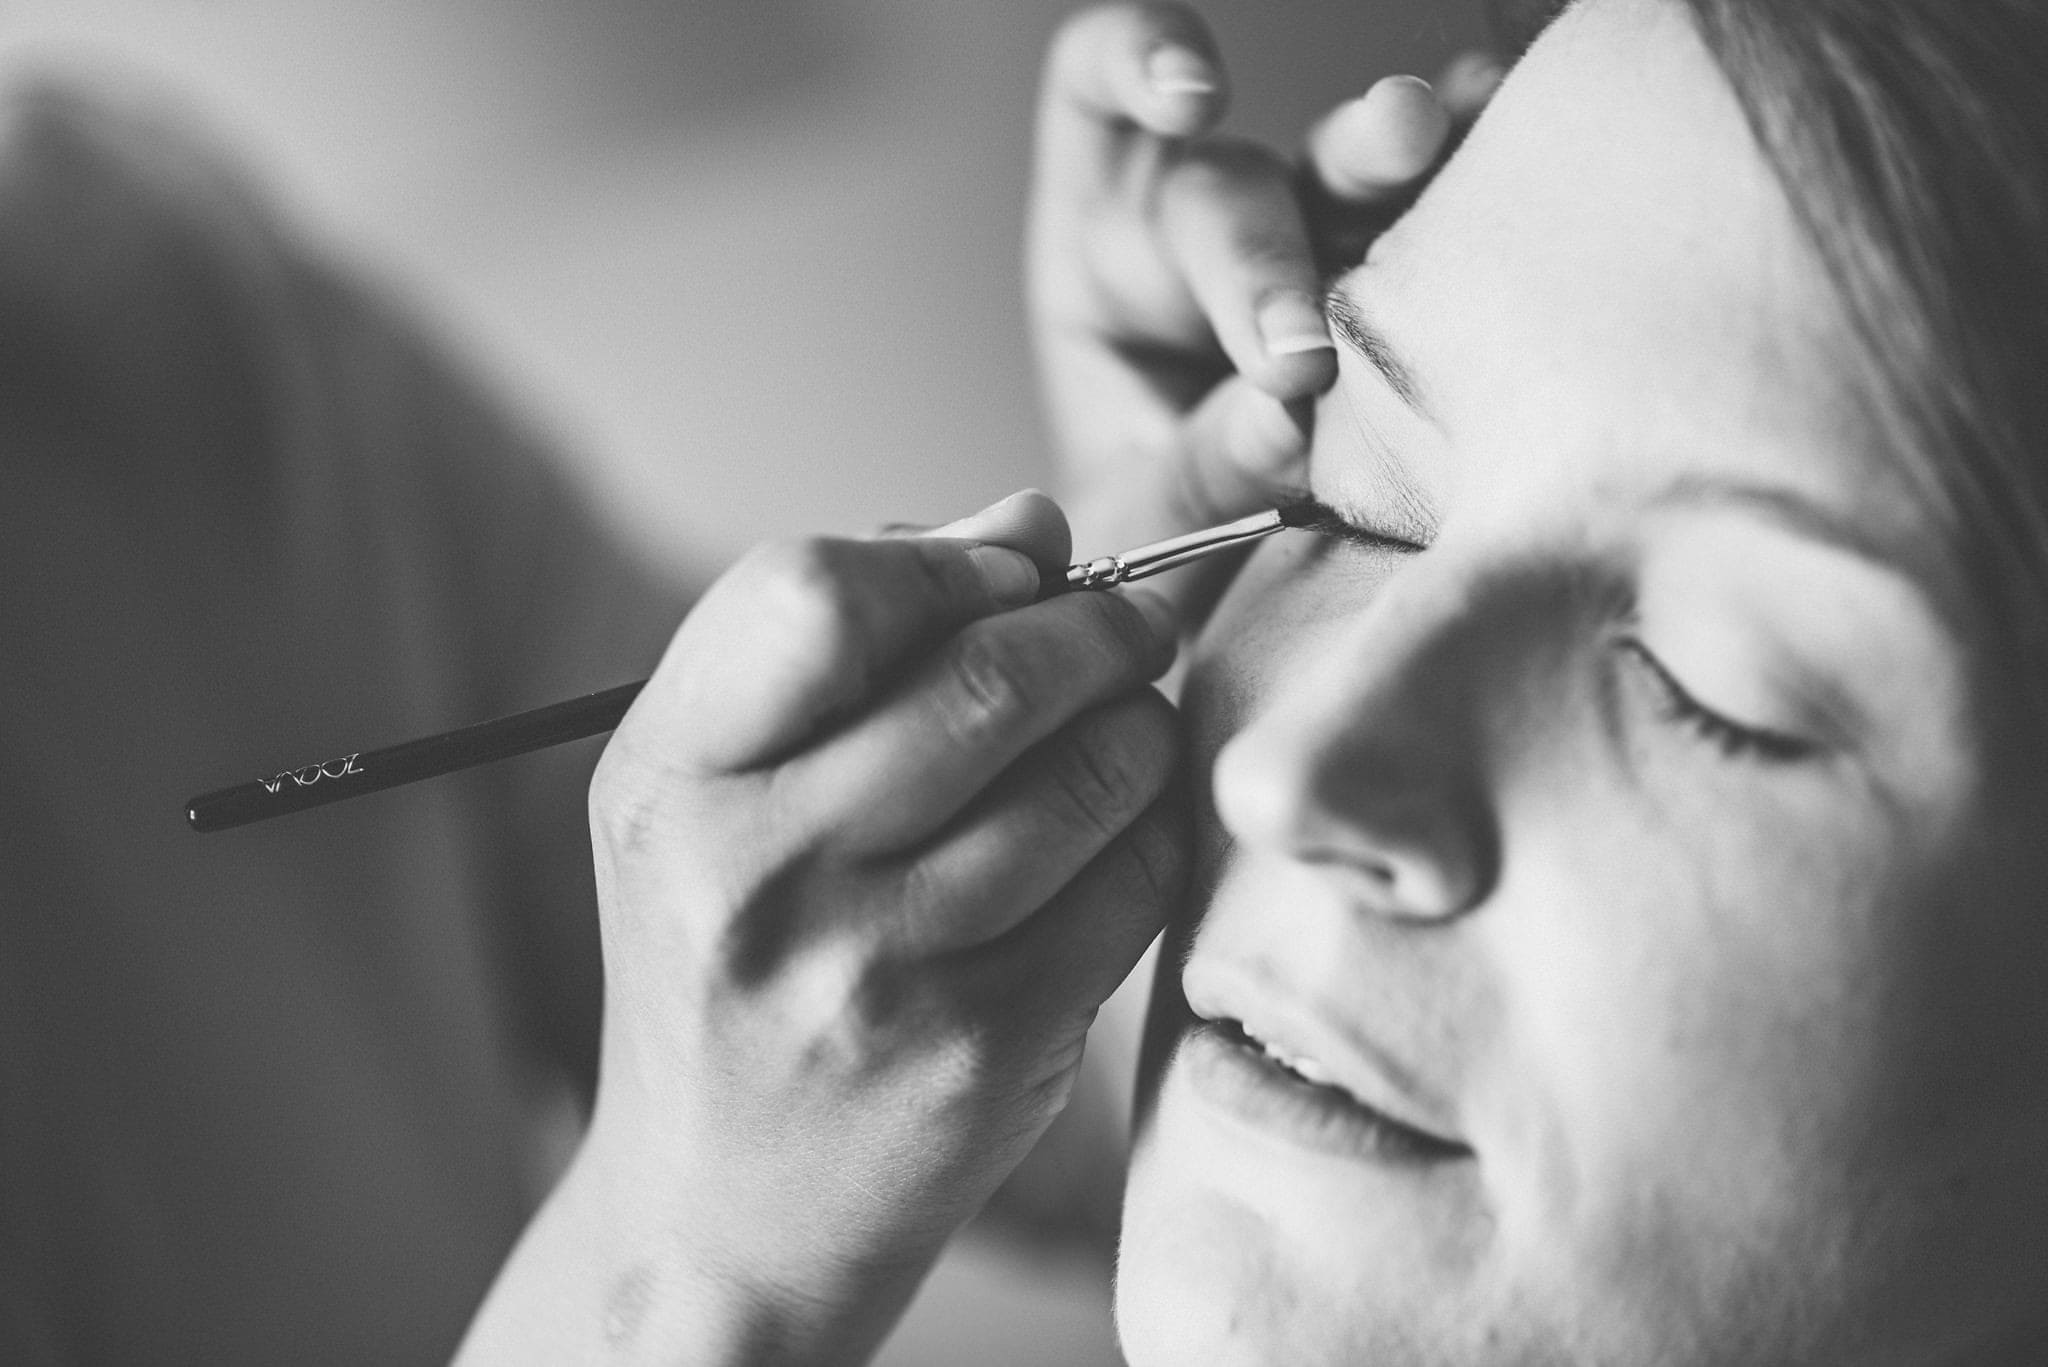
[(1370, 765)]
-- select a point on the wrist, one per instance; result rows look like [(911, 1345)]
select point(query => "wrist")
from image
[(625, 1264), (700, 1264)]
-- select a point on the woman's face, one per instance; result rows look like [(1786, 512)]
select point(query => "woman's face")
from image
[(1630, 847)]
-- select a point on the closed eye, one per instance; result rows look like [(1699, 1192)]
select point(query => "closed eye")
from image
[(1313, 515), (1678, 707)]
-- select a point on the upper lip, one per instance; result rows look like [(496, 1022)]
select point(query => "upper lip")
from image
[(1300, 1026)]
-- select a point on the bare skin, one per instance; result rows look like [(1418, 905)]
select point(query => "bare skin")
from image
[(882, 833)]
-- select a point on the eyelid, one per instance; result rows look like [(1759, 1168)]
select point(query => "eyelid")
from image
[(1734, 738), (1312, 514)]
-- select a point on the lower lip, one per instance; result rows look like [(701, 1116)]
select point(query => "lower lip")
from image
[(1259, 1093)]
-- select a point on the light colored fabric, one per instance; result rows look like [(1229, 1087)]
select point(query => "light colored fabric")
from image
[(267, 1096)]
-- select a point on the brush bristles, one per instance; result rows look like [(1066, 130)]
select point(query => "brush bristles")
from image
[(1308, 513)]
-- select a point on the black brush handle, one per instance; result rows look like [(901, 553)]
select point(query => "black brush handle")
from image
[(372, 771)]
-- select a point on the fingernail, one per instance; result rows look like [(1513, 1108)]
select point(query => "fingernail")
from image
[(964, 526), (1290, 323), (1011, 578), (1177, 71), (1158, 614), (1007, 499), (1409, 86)]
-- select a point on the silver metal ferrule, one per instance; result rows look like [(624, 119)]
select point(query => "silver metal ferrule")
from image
[(1148, 560), (1104, 572)]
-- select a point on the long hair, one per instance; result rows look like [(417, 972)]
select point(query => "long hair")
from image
[(1911, 138)]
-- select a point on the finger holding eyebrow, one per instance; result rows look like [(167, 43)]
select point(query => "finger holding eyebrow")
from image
[(1229, 216)]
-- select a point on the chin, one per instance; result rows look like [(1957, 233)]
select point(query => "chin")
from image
[(1189, 1287), (1202, 1279), (1238, 1254)]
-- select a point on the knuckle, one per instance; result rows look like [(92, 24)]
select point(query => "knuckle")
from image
[(625, 809), (826, 1005), (806, 596), (760, 910), (802, 575), (1107, 772), (900, 1009), (994, 686), (1120, 633), (1096, 794), (924, 894), (1158, 851), (958, 1062), (944, 575)]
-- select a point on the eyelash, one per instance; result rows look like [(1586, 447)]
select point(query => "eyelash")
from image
[(1676, 706), (1313, 515), (1731, 738)]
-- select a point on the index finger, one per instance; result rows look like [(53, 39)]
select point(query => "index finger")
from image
[(802, 633)]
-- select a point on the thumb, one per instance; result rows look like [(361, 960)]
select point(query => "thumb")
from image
[(1028, 521)]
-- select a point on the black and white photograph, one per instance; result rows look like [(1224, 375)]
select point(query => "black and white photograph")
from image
[(1024, 683)]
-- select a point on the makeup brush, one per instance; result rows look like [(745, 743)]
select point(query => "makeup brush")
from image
[(371, 771)]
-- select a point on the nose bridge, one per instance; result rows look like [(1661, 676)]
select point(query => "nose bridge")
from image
[(1371, 761)]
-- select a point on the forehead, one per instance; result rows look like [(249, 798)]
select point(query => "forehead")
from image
[(1609, 271)]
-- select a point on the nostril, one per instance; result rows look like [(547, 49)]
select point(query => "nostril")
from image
[(1387, 824)]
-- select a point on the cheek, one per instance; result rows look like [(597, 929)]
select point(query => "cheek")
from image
[(1192, 1283), (1717, 1011), (1293, 595), (1729, 1060), (1290, 605), (1232, 665), (1259, 613), (1236, 1254)]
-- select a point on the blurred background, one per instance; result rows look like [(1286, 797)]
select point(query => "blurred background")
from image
[(753, 262)]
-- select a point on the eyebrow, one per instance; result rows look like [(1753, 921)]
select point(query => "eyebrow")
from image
[(1407, 512), (1791, 510), (1796, 513), (1372, 345)]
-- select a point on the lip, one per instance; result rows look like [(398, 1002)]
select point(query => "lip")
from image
[(1355, 1094), (1260, 1094)]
